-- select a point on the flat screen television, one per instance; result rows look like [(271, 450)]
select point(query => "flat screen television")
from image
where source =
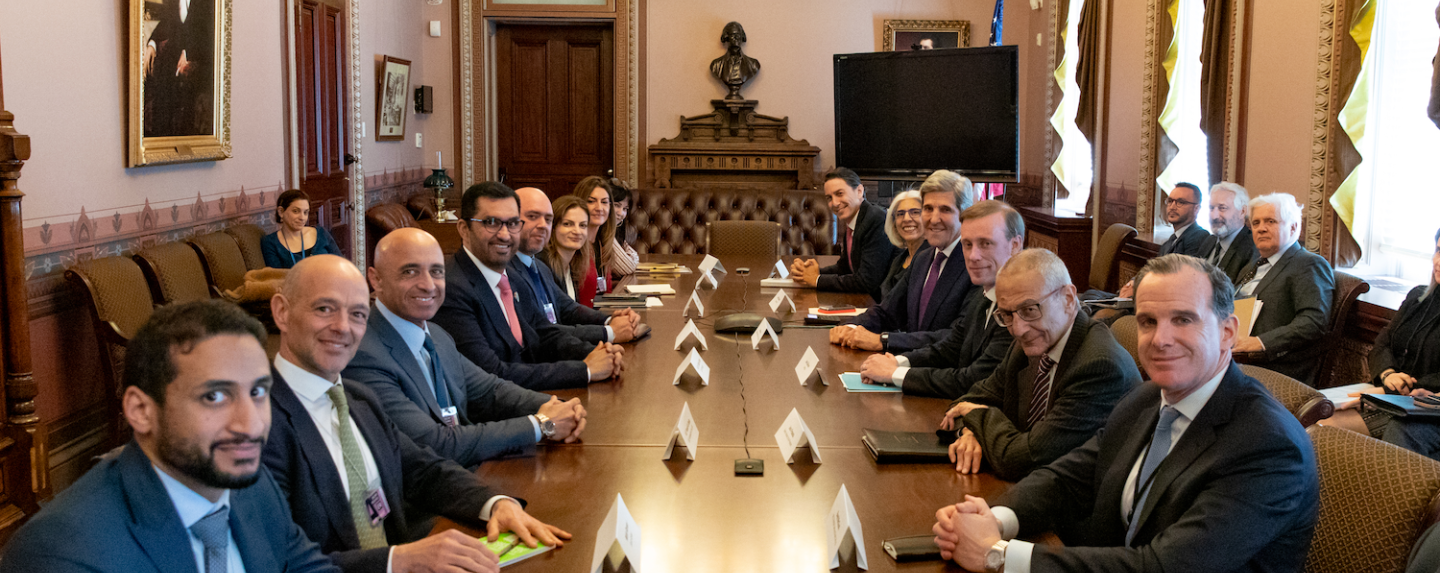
[(907, 114)]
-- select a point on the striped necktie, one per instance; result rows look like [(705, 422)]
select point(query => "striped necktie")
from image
[(1040, 397)]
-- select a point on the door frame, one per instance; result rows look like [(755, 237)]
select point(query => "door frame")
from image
[(477, 132)]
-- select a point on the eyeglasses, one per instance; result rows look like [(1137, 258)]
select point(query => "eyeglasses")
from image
[(907, 213), (1172, 201), (1028, 313), (492, 224)]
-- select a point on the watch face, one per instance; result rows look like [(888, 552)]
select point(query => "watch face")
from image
[(994, 559), (548, 428)]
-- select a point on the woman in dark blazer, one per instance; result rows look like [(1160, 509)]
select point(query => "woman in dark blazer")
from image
[(1406, 360), (294, 241), (569, 252), (903, 227)]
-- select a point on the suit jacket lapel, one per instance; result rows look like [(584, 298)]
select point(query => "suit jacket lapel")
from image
[(324, 476), (1275, 273), (249, 538), (1128, 454), (156, 524), (400, 352), (1026, 386), (494, 315)]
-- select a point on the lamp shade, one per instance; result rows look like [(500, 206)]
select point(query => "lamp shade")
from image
[(438, 181)]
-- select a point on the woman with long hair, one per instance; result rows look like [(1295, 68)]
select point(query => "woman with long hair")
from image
[(622, 260), (596, 194), (1406, 360), (569, 251), (294, 241)]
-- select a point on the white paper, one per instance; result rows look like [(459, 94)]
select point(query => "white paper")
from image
[(618, 526), (686, 433), (690, 329), (793, 434), (695, 301), (759, 335), (780, 298), (808, 363), (711, 263), (782, 283), (650, 289), (653, 301), (842, 518), (693, 360)]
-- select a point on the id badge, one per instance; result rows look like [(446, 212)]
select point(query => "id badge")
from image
[(550, 312), (375, 505), (450, 416), (599, 285)]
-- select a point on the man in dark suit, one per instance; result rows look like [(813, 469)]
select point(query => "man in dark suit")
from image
[(1182, 208), (349, 474), (1199, 471), (1296, 287), (991, 232), (865, 251), (540, 290), (1053, 390), (471, 415), (189, 492), (500, 335), (1230, 245), (923, 305), (179, 64)]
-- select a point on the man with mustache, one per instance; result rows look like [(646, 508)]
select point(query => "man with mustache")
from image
[(1182, 208), (1231, 245), (349, 473), (189, 492)]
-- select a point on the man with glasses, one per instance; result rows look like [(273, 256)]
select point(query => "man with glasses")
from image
[(500, 334), (1182, 207), (1053, 390)]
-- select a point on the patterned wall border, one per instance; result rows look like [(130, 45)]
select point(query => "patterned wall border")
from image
[(467, 93), (1319, 235), (357, 185), (1052, 147), (1150, 88)]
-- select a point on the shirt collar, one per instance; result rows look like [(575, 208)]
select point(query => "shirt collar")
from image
[(1275, 258), (306, 385), (1181, 230), (1191, 405), (413, 334), (854, 220), (191, 506), (526, 260), (990, 294), (951, 247), (1059, 348), (491, 276)]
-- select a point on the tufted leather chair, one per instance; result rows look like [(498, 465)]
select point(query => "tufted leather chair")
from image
[(174, 273), (224, 263), (380, 220), (672, 221), (247, 237), (1306, 403), (1375, 500), (745, 238)]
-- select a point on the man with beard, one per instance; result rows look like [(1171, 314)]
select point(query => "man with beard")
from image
[(1231, 245), (1182, 207), (188, 493)]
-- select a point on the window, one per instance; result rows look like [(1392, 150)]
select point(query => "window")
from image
[(1181, 116), (1073, 166)]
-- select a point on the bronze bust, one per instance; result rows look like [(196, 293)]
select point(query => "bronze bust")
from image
[(734, 68)]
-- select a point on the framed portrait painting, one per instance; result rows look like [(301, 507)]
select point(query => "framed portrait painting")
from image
[(179, 81), (907, 35), (390, 110)]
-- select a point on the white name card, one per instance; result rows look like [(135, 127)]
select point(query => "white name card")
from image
[(793, 434), (690, 330), (779, 299), (695, 302), (693, 360), (707, 277), (711, 263), (685, 434), (806, 368), (618, 526), (781, 271), (760, 332), (843, 518)]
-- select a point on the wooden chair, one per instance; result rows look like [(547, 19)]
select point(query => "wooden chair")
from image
[(1306, 403), (743, 238), (1375, 500), (224, 263), (174, 273), (120, 303), (247, 237), (1107, 257), (1339, 368)]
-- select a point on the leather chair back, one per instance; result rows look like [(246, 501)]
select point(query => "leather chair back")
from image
[(247, 237), (380, 220), (1375, 500), (174, 273), (672, 221), (1306, 403), (1338, 368), (224, 263), (744, 238), (1107, 257)]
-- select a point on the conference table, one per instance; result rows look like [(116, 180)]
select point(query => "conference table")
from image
[(698, 515)]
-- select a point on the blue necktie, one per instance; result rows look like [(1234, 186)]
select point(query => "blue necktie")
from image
[(437, 375), (539, 283), (213, 531), (1159, 448)]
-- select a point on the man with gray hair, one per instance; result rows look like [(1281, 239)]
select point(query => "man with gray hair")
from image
[(1296, 287), (1055, 387), (1230, 246)]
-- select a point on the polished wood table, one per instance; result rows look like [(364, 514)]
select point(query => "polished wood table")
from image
[(699, 516)]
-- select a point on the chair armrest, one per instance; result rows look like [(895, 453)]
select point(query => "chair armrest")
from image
[(1318, 408)]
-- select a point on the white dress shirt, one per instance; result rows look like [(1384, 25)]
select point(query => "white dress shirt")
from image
[(903, 364), (1224, 244), (1248, 289), (493, 278), (192, 507)]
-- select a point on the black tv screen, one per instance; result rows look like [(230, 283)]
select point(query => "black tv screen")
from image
[(910, 113)]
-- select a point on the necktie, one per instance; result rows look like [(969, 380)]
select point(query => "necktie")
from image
[(1040, 397), (437, 375), (1168, 245), (1214, 257), (1246, 288), (371, 536), (930, 279), (1159, 448), (213, 531), (850, 246), (507, 298), (541, 292)]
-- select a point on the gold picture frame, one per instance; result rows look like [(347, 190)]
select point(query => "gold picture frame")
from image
[(907, 34), (179, 82)]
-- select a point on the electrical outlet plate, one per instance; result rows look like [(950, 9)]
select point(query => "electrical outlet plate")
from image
[(418, 140)]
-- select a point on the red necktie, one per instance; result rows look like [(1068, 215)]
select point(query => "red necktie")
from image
[(850, 246), (507, 297)]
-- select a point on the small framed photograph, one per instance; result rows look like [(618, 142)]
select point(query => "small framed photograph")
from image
[(907, 35), (390, 108), (179, 81)]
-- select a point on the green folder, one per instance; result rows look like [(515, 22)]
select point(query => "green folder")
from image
[(514, 550)]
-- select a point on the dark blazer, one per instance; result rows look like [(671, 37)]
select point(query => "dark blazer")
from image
[(1297, 294), (969, 353), (410, 476), (1191, 243), (578, 320), (1094, 372), (897, 271), (278, 256), (1411, 342), (551, 359), (1239, 492), (873, 253), (899, 312), (492, 412), (119, 518), (1242, 252)]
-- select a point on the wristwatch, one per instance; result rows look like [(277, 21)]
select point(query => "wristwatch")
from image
[(547, 426), (995, 557), (884, 342)]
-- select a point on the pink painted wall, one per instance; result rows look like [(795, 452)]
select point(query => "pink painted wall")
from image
[(398, 28), (1282, 97)]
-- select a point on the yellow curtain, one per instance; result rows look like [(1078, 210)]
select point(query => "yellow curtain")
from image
[(1353, 118), (1180, 119), (1073, 163)]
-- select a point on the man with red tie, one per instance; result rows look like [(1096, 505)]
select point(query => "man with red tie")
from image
[(865, 251)]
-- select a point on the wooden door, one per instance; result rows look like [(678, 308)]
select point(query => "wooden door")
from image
[(556, 105), (324, 127)]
